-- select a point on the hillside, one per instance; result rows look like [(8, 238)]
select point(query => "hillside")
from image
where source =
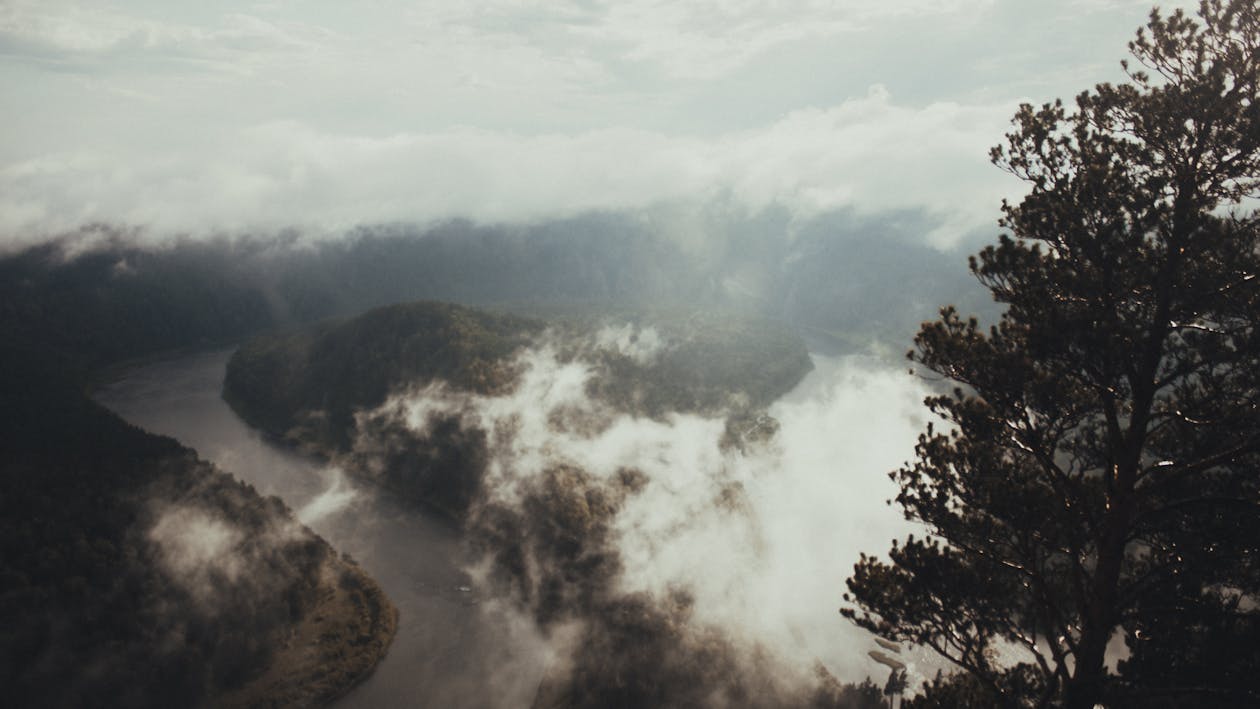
[(844, 281), (306, 386), (549, 548), (134, 574)]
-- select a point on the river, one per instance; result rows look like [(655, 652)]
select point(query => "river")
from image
[(449, 650)]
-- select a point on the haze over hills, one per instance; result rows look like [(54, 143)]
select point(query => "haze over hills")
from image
[(312, 387), (585, 320), (585, 456), (135, 574), (70, 313), (845, 282)]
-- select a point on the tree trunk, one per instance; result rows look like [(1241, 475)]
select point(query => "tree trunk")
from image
[(1085, 688)]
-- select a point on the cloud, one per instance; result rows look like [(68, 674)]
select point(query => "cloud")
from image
[(230, 552), (687, 39), (336, 497), (641, 345), (200, 552), (706, 39), (324, 115), (75, 28), (1167, 6), (195, 543), (870, 154), (758, 541)]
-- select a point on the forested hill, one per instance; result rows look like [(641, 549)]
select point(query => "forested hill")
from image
[(306, 386), (552, 553), (78, 483), (844, 282), (314, 379), (132, 573)]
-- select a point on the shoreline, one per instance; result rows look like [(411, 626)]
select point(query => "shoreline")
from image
[(337, 646)]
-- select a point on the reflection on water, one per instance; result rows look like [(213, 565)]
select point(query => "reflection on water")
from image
[(449, 651)]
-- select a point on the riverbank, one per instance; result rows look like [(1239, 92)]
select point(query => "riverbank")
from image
[(346, 624), (331, 651), (447, 642)]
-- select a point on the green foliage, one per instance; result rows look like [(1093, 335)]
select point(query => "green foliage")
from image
[(308, 386), (1098, 471), (711, 361), (88, 615), (120, 301), (953, 692), (442, 469)]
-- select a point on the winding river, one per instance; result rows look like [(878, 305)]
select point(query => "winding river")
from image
[(450, 651)]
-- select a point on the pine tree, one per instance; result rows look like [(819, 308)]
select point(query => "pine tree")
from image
[(1099, 470)]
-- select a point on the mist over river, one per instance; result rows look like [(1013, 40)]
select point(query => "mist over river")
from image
[(447, 651), (819, 501)]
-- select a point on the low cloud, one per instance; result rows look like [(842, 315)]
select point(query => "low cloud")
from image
[(338, 495), (868, 154), (315, 115), (731, 556), (641, 345), (233, 555), (197, 549)]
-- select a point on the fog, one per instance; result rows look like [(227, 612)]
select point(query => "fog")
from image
[(758, 536), (196, 545), (338, 494), (755, 544), (727, 536), (845, 281), (451, 648)]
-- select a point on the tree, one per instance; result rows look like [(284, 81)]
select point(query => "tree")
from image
[(1098, 469)]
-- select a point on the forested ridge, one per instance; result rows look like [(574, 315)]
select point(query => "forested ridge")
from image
[(104, 598), (109, 293), (308, 387)]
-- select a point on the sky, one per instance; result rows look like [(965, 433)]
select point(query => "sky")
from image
[(257, 116)]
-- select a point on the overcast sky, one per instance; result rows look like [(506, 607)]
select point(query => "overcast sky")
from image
[(323, 115)]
